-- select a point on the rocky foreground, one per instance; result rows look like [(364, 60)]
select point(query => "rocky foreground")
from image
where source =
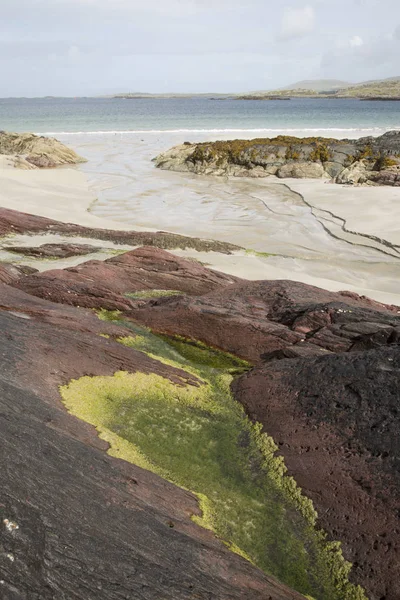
[(373, 161), (324, 382)]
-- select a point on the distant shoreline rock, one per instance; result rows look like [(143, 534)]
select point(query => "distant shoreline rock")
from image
[(29, 151), (369, 160), (262, 97)]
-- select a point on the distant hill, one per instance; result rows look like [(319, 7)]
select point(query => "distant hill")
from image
[(333, 88), (384, 88), (319, 85), (308, 88)]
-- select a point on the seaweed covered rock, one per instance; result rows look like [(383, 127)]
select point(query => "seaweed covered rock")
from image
[(39, 151), (288, 156)]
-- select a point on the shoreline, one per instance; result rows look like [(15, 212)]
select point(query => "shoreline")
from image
[(62, 194), (65, 195)]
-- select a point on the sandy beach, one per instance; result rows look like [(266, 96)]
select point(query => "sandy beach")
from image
[(287, 225), (62, 194)]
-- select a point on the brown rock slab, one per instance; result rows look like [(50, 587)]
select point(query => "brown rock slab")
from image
[(11, 273), (253, 319), (102, 284), (336, 419), (54, 250), (12, 221)]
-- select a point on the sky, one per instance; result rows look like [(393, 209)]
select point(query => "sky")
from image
[(94, 47)]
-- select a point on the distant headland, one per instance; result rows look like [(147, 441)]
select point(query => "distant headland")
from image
[(380, 89)]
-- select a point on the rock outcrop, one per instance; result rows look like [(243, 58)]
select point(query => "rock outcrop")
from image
[(258, 320), (65, 250), (105, 284), (325, 385), (12, 221), (326, 388), (366, 160), (336, 421), (75, 522), (32, 150)]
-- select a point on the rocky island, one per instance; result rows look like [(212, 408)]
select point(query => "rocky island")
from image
[(172, 431), (373, 161)]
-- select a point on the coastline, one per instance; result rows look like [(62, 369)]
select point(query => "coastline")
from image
[(67, 194)]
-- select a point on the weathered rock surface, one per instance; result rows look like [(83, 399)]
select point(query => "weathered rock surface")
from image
[(302, 170), (12, 221), (252, 319), (358, 172), (336, 420), (366, 160), (39, 151), (103, 284), (327, 389), (11, 273), (74, 522), (387, 176), (54, 250)]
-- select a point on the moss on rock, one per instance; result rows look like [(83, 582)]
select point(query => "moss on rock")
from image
[(199, 438)]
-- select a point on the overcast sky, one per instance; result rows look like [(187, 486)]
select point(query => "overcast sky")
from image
[(84, 47)]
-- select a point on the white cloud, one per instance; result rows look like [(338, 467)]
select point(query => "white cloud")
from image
[(369, 57), (356, 41), (297, 22), (74, 53)]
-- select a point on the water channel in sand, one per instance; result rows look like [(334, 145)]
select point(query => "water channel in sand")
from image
[(266, 215)]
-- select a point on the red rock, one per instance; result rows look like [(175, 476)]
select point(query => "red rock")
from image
[(11, 273), (252, 319), (12, 221), (102, 284), (89, 525), (54, 250), (336, 420)]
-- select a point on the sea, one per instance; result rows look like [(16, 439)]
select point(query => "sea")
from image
[(120, 137)]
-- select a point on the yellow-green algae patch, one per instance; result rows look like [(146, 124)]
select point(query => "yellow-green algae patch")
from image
[(147, 294), (199, 438)]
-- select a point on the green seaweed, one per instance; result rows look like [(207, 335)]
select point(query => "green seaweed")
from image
[(147, 294), (250, 252), (198, 437)]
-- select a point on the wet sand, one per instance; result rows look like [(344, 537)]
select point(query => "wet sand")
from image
[(288, 220), (270, 216)]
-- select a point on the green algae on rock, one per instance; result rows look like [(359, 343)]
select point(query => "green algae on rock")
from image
[(199, 438), (148, 294)]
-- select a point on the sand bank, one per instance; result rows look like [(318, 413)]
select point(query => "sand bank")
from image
[(62, 194), (366, 210)]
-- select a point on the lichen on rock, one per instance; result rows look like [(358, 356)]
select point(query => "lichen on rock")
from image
[(288, 156)]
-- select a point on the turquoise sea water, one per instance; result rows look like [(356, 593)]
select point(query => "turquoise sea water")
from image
[(68, 115)]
